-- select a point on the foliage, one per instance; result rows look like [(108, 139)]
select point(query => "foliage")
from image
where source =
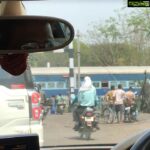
[(55, 59), (121, 40)]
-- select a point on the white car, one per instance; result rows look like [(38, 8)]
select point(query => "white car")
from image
[(20, 106)]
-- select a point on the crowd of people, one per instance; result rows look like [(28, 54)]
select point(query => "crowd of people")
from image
[(122, 103), (117, 99), (56, 101)]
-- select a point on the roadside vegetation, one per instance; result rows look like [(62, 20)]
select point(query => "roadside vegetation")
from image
[(118, 41), (123, 40)]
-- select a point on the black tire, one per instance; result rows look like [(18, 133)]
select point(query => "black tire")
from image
[(108, 115), (85, 134), (88, 135), (81, 135)]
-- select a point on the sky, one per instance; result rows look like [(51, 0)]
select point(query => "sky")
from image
[(80, 13)]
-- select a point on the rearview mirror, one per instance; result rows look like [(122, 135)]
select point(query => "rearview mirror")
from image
[(20, 34)]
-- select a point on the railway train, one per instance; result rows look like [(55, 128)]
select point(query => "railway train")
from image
[(55, 80)]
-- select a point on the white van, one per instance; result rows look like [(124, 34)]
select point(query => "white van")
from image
[(20, 107)]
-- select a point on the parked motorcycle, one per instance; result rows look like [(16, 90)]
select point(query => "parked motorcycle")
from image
[(88, 123), (130, 114)]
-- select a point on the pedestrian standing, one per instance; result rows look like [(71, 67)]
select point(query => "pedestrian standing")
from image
[(53, 105), (110, 97), (119, 103)]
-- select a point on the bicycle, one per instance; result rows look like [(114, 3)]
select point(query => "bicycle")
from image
[(108, 113)]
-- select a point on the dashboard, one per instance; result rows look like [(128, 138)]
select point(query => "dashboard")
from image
[(19, 142), (139, 141), (31, 142), (80, 147)]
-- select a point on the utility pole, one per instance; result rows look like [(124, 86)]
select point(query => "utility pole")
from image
[(70, 51), (78, 55), (71, 68)]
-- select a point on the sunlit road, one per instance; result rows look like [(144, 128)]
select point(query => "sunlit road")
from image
[(58, 130)]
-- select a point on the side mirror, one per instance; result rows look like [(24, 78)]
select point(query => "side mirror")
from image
[(20, 34)]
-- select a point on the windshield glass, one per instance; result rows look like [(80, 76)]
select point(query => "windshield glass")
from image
[(9, 81), (106, 68)]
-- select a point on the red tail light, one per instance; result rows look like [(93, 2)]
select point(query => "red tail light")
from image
[(36, 107), (35, 97), (36, 111), (17, 86)]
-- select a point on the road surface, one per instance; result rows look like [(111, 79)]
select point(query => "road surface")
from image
[(58, 130)]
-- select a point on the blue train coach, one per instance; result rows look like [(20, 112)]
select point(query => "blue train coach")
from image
[(55, 80)]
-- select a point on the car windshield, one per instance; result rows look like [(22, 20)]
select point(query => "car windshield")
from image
[(106, 69)]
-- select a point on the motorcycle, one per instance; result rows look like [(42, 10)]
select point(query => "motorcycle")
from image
[(88, 123), (133, 112), (130, 113), (60, 108)]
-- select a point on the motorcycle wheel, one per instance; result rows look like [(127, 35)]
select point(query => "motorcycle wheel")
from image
[(85, 134)]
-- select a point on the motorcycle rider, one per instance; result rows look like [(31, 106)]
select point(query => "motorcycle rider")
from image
[(86, 98), (60, 102)]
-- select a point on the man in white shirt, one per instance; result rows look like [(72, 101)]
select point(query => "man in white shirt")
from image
[(119, 103)]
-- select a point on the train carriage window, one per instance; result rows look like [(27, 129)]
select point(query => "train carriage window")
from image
[(148, 80), (96, 84), (123, 83), (132, 84), (60, 85), (67, 84), (104, 84), (51, 85), (135, 83), (43, 85), (113, 83), (138, 84)]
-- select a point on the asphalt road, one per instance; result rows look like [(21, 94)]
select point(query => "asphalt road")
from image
[(58, 130)]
